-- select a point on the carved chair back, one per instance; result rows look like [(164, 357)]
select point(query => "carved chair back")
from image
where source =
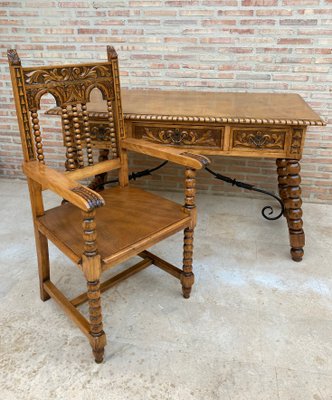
[(71, 86)]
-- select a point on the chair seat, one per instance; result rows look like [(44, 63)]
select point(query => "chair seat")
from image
[(131, 221)]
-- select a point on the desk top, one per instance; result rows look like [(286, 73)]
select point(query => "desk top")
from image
[(247, 108)]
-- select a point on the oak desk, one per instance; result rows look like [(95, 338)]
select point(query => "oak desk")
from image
[(225, 124)]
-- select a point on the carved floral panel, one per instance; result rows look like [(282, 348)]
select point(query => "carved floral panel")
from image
[(68, 85), (181, 135), (273, 139)]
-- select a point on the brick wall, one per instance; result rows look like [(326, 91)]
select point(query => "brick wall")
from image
[(228, 45)]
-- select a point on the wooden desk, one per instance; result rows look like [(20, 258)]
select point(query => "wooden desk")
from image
[(225, 124)]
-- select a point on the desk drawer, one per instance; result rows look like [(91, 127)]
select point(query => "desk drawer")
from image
[(180, 135), (259, 138)]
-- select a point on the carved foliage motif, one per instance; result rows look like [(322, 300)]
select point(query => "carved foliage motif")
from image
[(13, 57), (93, 200), (269, 139), (178, 137), (296, 141), (68, 85)]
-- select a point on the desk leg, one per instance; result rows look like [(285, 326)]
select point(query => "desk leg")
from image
[(290, 192), (293, 210), (282, 181)]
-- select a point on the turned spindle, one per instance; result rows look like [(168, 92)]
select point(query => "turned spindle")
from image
[(70, 151), (77, 136), (37, 135), (112, 129), (187, 277), (87, 136)]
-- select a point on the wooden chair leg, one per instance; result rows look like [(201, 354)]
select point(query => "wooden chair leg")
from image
[(187, 277), (294, 212), (92, 271), (43, 263), (37, 206), (98, 337)]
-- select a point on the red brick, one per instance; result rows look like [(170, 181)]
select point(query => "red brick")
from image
[(209, 22), (73, 4), (298, 22), (294, 41), (86, 31), (181, 3), (260, 3)]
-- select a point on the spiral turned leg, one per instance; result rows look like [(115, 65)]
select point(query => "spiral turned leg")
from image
[(98, 338), (92, 271), (294, 212), (282, 181), (187, 277)]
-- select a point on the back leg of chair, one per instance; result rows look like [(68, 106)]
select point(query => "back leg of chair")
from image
[(43, 262), (41, 240)]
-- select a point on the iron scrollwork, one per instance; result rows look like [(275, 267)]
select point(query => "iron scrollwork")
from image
[(267, 211)]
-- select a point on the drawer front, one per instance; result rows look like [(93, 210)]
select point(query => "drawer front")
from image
[(180, 135), (259, 138)]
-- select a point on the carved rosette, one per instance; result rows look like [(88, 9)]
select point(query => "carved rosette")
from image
[(180, 136), (68, 85), (100, 132), (259, 139)]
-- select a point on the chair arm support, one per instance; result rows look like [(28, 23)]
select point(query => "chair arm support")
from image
[(72, 191), (178, 156)]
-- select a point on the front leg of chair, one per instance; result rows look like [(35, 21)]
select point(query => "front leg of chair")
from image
[(98, 337), (187, 278), (92, 271)]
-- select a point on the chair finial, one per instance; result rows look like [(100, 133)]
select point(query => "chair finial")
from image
[(13, 57), (111, 53)]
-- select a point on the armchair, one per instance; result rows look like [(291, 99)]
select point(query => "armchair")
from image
[(96, 230)]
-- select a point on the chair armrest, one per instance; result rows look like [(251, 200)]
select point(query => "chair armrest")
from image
[(72, 191), (178, 156)]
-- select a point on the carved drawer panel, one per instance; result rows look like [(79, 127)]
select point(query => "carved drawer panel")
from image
[(259, 138), (180, 135)]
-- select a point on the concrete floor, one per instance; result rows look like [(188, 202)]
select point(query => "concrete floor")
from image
[(257, 327)]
